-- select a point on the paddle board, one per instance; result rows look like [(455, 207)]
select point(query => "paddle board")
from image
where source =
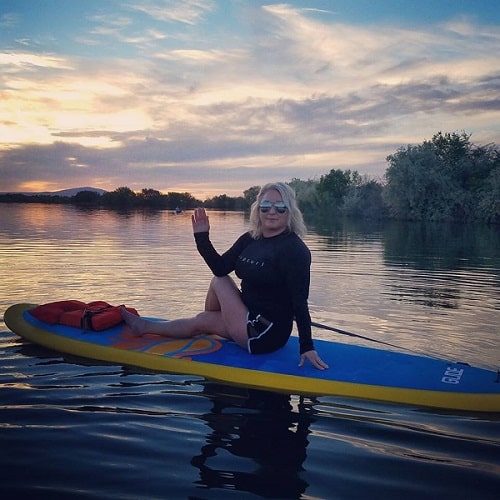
[(355, 371)]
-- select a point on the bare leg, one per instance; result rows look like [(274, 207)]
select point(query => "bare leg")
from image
[(212, 302), (225, 315), (178, 328)]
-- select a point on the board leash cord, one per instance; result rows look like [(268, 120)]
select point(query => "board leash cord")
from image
[(363, 337)]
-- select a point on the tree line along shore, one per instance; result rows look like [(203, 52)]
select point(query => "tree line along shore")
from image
[(447, 178)]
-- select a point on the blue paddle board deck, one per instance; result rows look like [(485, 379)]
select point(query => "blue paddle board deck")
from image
[(355, 371)]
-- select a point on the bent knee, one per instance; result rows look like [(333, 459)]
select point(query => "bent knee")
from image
[(222, 279), (221, 283)]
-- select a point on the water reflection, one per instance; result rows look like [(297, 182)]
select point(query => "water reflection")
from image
[(257, 442), (430, 263), (427, 264), (340, 228), (435, 246), (427, 246)]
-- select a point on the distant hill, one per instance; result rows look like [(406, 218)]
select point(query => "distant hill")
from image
[(66, 192), (74, 191)]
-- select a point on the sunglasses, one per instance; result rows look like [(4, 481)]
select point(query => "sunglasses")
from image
[(279, 206)]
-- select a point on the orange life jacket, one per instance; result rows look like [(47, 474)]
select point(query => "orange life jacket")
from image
[(97, 316)]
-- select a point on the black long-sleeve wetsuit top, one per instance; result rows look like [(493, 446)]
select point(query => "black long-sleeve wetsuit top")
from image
[(275, 278)]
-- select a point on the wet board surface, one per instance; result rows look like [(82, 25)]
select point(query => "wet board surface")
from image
[(355, 371)]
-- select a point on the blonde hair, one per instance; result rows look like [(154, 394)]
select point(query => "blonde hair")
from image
[(295, 222)]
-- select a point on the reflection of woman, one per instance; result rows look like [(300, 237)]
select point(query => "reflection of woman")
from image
[(271, 435), (273, 264)]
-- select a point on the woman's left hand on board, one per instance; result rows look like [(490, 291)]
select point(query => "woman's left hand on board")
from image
[(314, 359)]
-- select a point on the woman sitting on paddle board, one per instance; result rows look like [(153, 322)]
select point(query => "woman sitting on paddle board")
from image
[(273, 264)]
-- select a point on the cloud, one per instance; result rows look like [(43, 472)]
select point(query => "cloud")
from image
[(15, 61), (187, 11), (9, 20), (302, 95)]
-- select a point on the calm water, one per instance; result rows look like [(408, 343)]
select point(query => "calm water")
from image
[(71, 428)]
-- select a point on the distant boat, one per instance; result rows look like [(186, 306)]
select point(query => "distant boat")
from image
[(178, 210)]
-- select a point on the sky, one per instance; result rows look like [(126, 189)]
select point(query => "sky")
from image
[(212, 97)]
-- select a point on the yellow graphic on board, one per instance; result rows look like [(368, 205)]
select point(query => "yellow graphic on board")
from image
[(173, 348)]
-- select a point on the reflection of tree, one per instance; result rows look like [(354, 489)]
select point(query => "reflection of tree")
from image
[(423, 262), (437, 252), (343, 232), (262, 428), (438, 296), (440, 246)]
